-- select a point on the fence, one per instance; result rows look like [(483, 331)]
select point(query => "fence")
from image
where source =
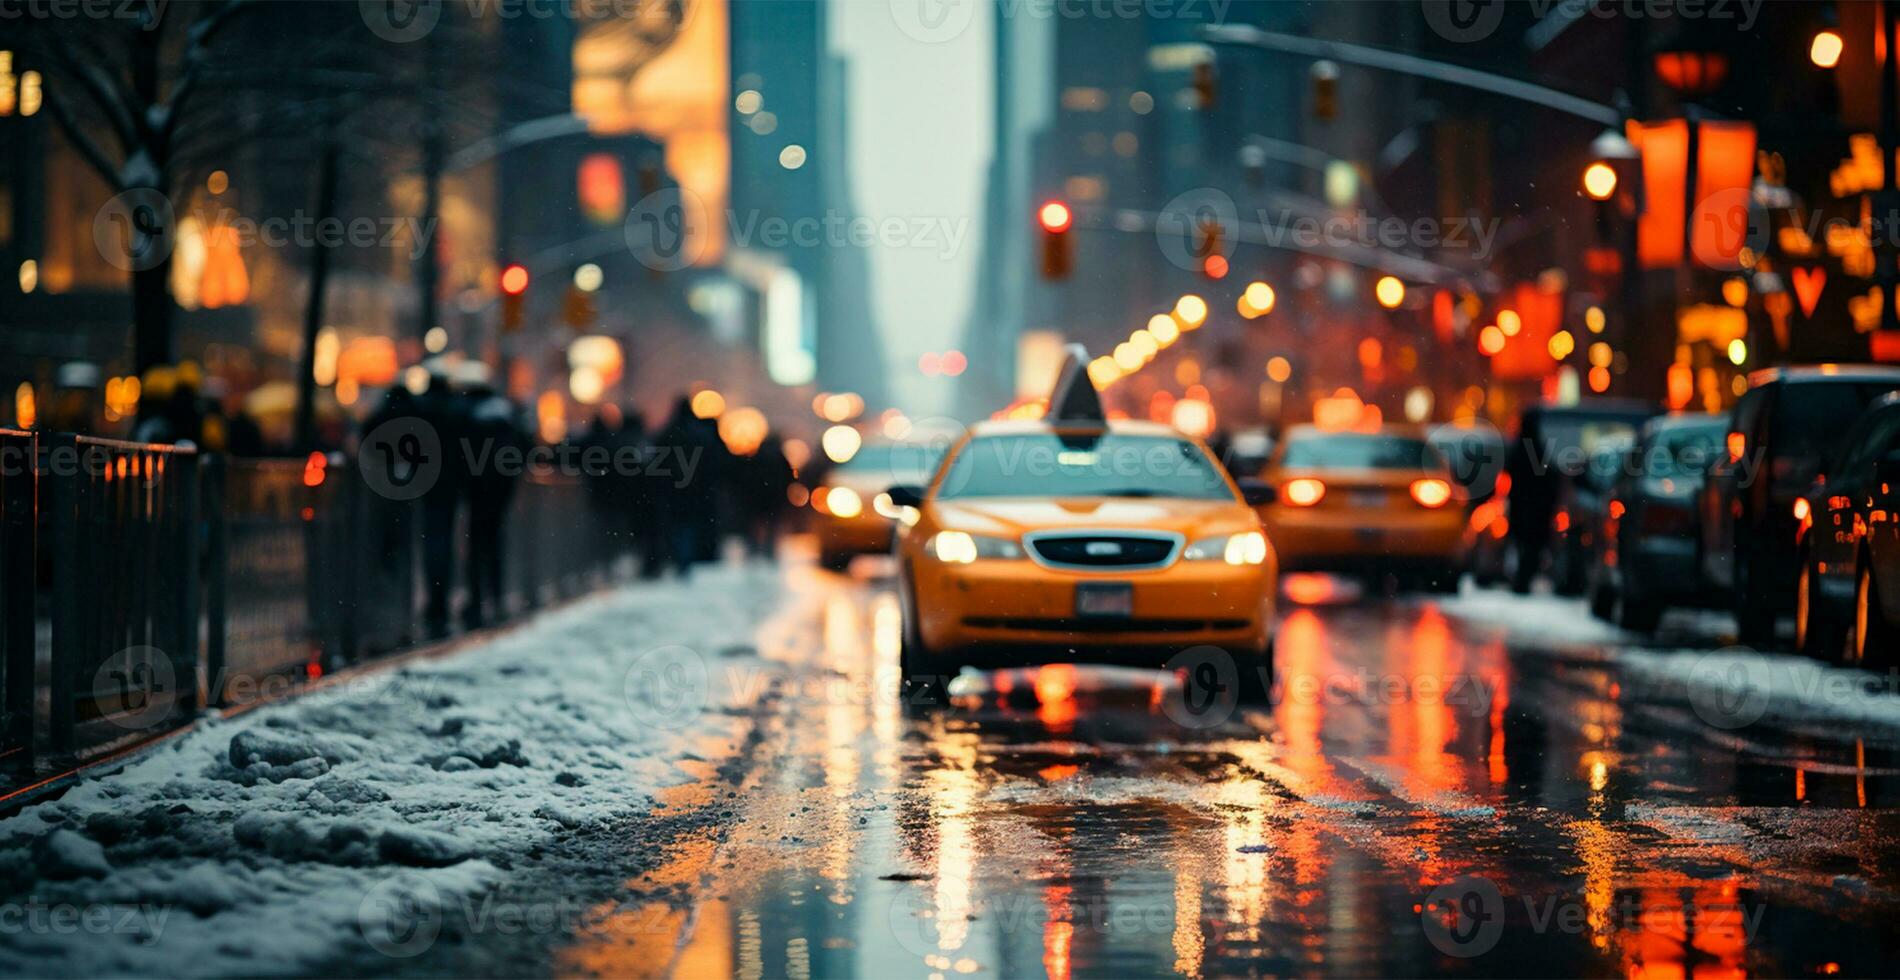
[(142, 583), (19, 572), (122, 533)]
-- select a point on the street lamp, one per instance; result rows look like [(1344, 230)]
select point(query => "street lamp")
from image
[(1599, 181), (1390, 292), (1825, 50)]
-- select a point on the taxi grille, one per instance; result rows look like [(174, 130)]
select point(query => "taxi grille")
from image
[(1103, 551)]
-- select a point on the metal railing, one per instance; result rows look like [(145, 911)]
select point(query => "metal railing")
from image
[(140, 584), (19, 590), (124, 541)]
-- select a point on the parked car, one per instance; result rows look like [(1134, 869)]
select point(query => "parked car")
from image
[(1647, 559), (1784, 426), (1847, 595), (852, 515), (1577, 524), (1553, 445)]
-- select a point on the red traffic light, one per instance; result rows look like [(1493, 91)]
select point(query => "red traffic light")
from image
[(514, 279), (1055, 216)]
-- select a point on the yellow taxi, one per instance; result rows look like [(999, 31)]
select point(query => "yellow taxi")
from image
[(1079, 540), (852, 514), (1372, 503)]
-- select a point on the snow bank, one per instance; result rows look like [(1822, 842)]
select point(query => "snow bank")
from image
[(1729, 687), (262, 845)]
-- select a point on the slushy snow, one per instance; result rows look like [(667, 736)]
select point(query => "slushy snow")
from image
[(254, 845)]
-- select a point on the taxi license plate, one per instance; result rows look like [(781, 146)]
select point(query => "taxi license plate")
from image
[(1367, 498), (1110, 599)]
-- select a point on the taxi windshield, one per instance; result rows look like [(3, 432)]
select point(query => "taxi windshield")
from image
[(1085, 465)]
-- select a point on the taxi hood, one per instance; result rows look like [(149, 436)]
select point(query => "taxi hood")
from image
[(1014, 516)]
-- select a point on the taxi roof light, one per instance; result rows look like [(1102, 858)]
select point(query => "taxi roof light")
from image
[(1074, 398)]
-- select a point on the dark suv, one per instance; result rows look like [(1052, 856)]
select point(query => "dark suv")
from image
[(1646, 558), (1789, 421)]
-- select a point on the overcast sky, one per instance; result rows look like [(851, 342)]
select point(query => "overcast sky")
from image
[(920, 143)]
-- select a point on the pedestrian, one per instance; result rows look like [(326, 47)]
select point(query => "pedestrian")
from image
[(766, 480), (687, 510), (494, 426), (444, 411), (1533, 496)]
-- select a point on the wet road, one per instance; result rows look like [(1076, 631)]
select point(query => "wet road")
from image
[(1427, 795)]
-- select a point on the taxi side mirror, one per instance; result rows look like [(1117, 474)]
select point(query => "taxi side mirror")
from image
[(1257, 492), (906, 495)]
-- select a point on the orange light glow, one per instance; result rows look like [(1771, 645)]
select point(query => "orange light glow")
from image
[(1309, 588), (313, 470), (1303, 492), (1215, 266), (1825, 50), (1389, 291), (1802, 509), (1431, 492), (1055, 217), (1599, 181), (514, 280), (1737, 444), (1599, 379), (1490, 340)]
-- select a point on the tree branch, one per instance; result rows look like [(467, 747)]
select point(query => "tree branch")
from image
[(81, 141), (195, 57)]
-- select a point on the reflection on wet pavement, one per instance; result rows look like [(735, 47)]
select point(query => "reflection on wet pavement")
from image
[(1421, 799)]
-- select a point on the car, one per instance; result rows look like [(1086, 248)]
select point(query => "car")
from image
[(1371, 503), (1847, 595), (1647, 557), (1582, 503), (1554, 446), (852, 514), (1782, 428), (1075, 539)]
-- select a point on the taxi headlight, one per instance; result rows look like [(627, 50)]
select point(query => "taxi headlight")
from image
[(1245, 548), (844, 502), (959, 548)]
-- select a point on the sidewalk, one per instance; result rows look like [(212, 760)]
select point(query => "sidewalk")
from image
[(260, 844)]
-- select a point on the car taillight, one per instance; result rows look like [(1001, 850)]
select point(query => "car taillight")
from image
[(1431, 492), (1737, 443), (1304, 492)]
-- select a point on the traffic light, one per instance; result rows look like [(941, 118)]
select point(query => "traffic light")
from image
[(514, 288), (578, 308), (1057, 254), (1325, 75), (1206, 85)]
